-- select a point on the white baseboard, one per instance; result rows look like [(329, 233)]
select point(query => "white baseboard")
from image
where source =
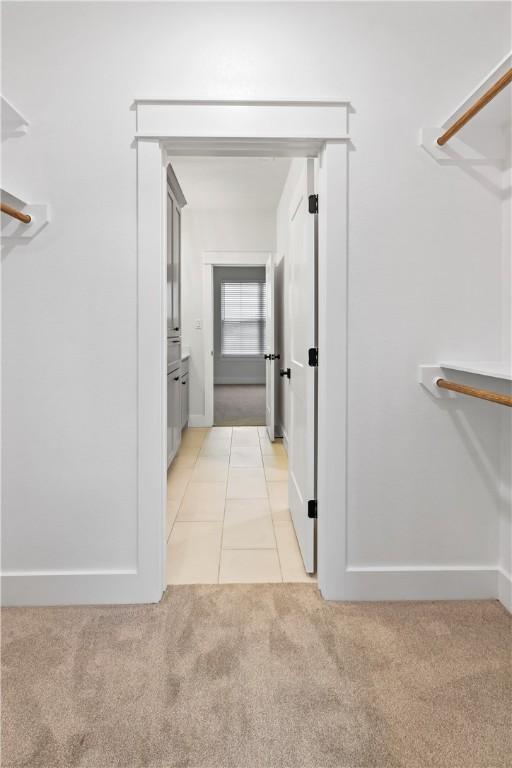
[(505, 589), (76, 588), (198, 420), (234, 380), (361, 584), (409, 583), (284, 435)]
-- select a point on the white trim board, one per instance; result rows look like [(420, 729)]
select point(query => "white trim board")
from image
[(504, 592), (70, 587), (420, 583), (235, 258), (236, 380), (209, 119)]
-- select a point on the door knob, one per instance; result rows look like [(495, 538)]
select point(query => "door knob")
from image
[(275, 357), (285, 372), (267, 357)]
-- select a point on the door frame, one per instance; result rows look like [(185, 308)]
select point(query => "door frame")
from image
[(210, 260), (291, 128)]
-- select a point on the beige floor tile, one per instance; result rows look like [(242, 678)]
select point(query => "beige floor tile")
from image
[(290, 558), (216, 434), (246, 484), (245, 437), (248, 525), (249, 566), (185, 451), (271, 449), (278, 498), (203, 502), (276, 469), (220, 432), (193, 553), (193, 437), (177, 481), (184, 461), (245, 457), (262, 431), (218, 447), (172, 511), (211, 469)]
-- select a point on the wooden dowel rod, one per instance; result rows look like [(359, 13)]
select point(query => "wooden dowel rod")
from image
[(10, 211), (483, 394), (477, 106)]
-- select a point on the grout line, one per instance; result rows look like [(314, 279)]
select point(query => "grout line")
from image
[(275, 537), (224, 515)]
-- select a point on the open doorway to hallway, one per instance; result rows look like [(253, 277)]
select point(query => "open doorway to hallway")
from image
[(238, 487)]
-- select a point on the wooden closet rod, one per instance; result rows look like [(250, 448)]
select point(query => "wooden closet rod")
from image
[(483, 394), (10, 211), (477, 106)]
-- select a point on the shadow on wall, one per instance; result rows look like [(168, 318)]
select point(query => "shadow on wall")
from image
[(481, 437)]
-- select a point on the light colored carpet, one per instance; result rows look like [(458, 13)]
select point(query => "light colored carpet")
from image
[(239, 405), (257, 676)]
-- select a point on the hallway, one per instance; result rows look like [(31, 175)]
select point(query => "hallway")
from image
[(227, 510)]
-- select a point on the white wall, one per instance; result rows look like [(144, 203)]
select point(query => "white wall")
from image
[(213, 230), (425, 270)]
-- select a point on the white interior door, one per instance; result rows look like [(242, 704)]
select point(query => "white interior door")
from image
[(302, 383), (270, 338)]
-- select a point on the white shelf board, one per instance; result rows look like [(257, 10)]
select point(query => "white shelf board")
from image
[(12, 120), (492, 120), (491, 370), (494, 75)]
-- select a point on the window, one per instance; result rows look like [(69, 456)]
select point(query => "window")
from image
[(242, 316)]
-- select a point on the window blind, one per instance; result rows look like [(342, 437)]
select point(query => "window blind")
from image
[(242, 312)]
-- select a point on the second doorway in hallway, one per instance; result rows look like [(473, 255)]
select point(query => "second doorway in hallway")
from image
[(239, 309)]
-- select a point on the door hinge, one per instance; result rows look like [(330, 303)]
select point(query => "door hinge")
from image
[(313, 203), (312, 508), (313, 357)]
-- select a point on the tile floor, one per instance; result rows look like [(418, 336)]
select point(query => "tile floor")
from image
[(227, 510)]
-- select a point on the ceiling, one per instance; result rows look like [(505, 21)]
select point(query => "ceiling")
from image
[(240, 183)]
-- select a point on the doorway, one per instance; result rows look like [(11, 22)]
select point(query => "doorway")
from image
[(179, 126), (221, 485), (228, 511), (239, 329)]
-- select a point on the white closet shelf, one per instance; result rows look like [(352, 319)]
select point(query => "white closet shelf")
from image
[(12, 120), (491, 370), (456, 149), (428, 375)]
